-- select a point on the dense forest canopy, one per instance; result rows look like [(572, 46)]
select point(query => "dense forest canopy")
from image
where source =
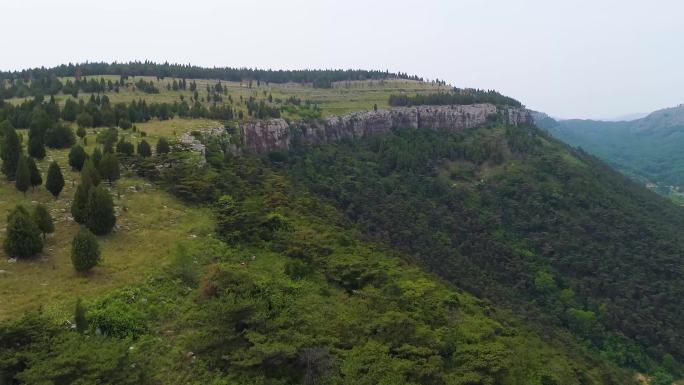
[(44, 80)]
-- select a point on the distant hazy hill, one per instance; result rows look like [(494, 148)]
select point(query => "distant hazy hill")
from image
[(647, 149)]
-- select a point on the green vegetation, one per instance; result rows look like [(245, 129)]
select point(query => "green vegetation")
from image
[(23, 235), (490, 256), (294, 296), (511, 215), (85, 253), (455, 96), (647, 150)]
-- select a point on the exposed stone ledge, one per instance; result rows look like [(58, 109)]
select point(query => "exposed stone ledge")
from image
[(264, 136)]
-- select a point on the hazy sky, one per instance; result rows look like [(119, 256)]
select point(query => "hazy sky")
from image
[(579, 58)]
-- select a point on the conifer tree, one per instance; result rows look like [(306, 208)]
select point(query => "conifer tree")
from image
[(23, 175), (85, 252), (96, 157), (81, 132), (163, 146), (23, 236), (10, 150), (80, 317), (79, 206), (144, 149), (77, 156), (90, 169), (36, 143), (55, 181), (109, 167), (100, 211), (34, 173), (43, 219)]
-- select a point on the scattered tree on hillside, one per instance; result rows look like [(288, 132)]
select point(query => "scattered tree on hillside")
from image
[(10, 149), (96, 157), (163, 146), (55, 181), (77, 157), (79, 206), (91, 171), (85, 252), (43, 219), (36, 143), (144, 149), (84, 120), (109, 167), (59, 136), (23, 175), (34, 174), (80, 317), (124, 147), (100, 211), (23, 236), (81, 132)]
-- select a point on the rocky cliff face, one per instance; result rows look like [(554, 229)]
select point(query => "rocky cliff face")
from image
[(276, 134)]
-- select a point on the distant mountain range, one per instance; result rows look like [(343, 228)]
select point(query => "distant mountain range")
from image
[(648, 149)]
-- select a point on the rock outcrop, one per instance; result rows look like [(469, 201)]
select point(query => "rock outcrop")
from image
[(264, 136)]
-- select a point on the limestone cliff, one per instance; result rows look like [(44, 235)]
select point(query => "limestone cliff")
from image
[(277, 134)]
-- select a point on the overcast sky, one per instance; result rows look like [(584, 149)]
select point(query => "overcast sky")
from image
[(580, 58)]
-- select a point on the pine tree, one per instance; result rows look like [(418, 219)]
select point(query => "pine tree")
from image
[(77, 156), (124, 147), (79, 206), (90, 169), (55, 181), (80, 317), (85, 252), (36, 143), (23, 236), (34, 173), (100, 209), (43, 219), (10, 151), (109, 167), (81, 132), (144, 149), (96, 157), (23, 175), (163, 146)]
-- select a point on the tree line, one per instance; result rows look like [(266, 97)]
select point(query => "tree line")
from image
[(319, 78), (457, 96)]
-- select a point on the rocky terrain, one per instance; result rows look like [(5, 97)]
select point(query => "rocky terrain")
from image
[(263, 136)]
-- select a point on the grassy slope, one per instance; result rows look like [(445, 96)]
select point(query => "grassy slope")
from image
[(150, 221)]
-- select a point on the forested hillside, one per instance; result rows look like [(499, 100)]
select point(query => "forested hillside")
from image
[(514, 216), (143, 245), (647, 150)]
